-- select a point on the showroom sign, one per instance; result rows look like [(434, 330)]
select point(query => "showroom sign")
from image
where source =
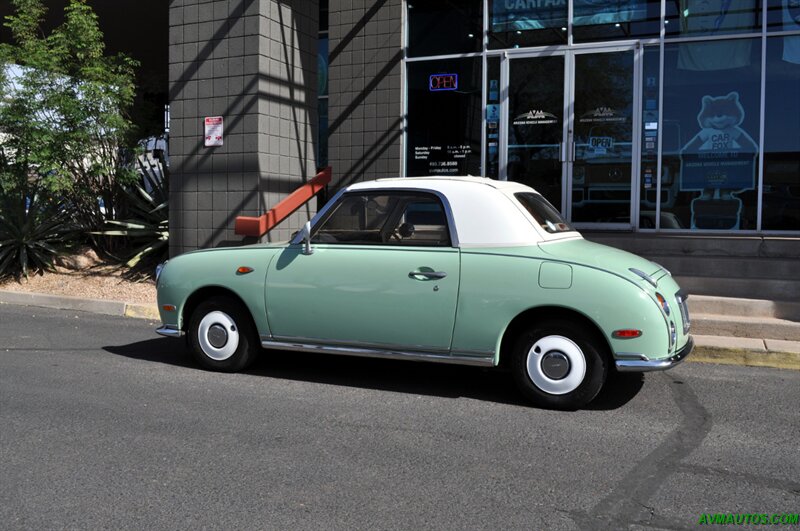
[(437, 82)]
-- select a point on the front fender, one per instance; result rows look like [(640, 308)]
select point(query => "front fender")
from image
[(186, 274)]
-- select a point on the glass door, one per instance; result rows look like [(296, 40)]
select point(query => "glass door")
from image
[(537, 124), (572, 132), (602, 132)]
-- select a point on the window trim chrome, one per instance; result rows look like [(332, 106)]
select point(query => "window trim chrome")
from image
[(448, 211)]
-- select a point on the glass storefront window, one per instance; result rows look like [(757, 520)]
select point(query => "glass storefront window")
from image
[(322, 100), (493, 118), (648, 179), (520, 23), (602, 137), (615, 19), (536, 124), (689, 18), (781, 199), (711, 128), (444, 117), (439, 27), (324, 9), (783, 15)]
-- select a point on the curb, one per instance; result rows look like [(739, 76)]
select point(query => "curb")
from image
[(750, 352), (708, 349), (65, 302), (749, 358)]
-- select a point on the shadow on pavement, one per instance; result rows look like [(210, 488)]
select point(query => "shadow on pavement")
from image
[(431, 379), (167, 350)]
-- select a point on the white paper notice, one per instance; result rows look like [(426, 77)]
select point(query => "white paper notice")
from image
[(213, 131)]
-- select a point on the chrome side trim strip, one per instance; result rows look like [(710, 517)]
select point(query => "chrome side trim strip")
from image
[(169, 331), (356, 344), (484, 360), (645, 365)]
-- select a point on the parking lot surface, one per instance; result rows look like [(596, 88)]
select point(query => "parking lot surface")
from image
[(105, 425)]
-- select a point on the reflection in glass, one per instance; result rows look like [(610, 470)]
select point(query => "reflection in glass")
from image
[(444, 117), (615, 19), (439, 27), (603, 138), (784, 15), (711, 121), (781, 200), (493, 118), (649, 153), (523, 23), (536, 128), (712, 17)]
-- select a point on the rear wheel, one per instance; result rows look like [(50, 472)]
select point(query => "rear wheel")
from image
[(222, 336), (557, 364)]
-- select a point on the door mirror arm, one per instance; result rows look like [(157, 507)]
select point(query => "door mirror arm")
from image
[(306, 235)]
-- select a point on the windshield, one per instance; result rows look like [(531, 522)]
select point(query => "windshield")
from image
[(543, 212)]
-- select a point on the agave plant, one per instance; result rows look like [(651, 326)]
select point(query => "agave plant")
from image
[(33, 231), (146, 222)]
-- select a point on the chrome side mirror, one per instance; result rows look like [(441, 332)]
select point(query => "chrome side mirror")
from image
[(306, 235)]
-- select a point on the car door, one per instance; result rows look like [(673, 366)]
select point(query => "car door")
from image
[(383, 274)]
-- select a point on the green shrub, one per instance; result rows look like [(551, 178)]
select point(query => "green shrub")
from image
[(33, 231), (146, 225)]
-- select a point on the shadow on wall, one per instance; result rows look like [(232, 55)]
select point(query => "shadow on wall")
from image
[(241, 115), (388, 138)]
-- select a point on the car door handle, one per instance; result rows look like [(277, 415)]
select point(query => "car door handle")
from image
[(429, 275)]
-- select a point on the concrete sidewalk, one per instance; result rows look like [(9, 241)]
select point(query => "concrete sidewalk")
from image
[(725, 349), (63, 302)]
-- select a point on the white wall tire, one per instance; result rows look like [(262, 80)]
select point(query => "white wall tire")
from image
[(559, 365), (221, 335)]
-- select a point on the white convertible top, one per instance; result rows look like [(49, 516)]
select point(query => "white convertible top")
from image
[(484, 211)]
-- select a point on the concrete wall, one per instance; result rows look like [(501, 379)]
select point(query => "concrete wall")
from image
[(366, 89), (255, 64)]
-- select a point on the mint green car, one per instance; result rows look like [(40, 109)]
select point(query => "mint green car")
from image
[(455, 270)]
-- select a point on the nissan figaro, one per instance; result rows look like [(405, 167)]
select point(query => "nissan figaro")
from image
[(458, 270)]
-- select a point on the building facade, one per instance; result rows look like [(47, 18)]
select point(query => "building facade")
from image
[(646, 118)]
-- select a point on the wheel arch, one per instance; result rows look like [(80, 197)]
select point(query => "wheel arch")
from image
[(206, 292), (543, 313)]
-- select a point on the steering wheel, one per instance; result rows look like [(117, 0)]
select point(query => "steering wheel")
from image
[(405, 230)]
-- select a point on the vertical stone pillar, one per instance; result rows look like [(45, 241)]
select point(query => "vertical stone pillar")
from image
[(366, 89), (253, 62)]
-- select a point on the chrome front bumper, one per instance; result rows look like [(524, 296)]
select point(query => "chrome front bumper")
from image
[(169, 331), (645, 365)]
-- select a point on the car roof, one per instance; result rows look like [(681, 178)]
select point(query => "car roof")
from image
[(484, 211)]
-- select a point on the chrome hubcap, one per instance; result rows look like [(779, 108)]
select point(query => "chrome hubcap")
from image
[(217, 336), (555, 365)]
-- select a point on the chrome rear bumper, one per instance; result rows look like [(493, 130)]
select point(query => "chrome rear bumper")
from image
[(645, 365)]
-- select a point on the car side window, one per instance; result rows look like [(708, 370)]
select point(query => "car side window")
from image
[(385, 218)]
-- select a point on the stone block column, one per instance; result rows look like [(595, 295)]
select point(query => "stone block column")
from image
[(366, 89), (254, 63)]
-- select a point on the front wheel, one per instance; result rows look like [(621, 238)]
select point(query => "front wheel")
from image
[(558, 365), (222, 336)]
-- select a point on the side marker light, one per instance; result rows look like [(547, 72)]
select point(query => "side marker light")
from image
[(627, 333)]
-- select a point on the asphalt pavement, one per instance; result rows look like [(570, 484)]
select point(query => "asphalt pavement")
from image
[(103, 424)]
